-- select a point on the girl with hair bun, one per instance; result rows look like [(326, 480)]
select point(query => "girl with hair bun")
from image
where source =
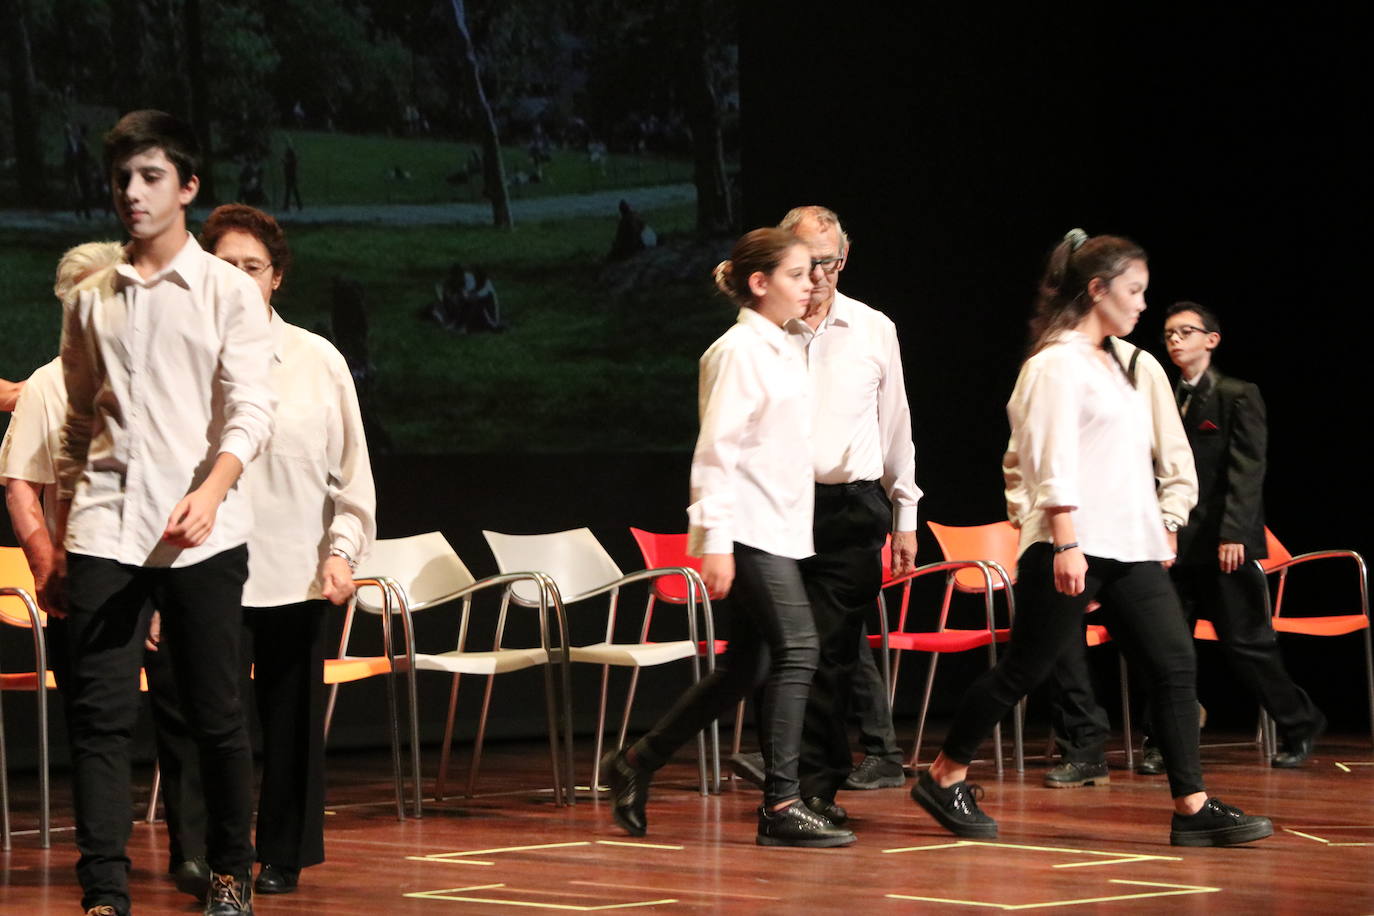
[(750, 517), (1082, 436)]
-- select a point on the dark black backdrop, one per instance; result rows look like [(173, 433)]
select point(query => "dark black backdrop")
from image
[(958, 145)]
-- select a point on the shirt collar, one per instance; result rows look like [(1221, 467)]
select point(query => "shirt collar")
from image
[(761, 326), (841, 313), (187, 269)]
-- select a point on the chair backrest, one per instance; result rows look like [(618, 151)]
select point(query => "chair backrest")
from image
[(998, 541), (425, 565), (574, 558), (14, 573), (1277, 552), (670, 550)]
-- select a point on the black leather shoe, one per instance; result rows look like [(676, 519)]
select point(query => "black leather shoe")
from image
[(1293, 752), (828, 810), (1074, 773), (229, 896), (104, 909), (276, 879), (1151, 762), (1218, 824), (748, 767), (191, 876), (629, 792), (798, 825), (876, 773), (956, 807)]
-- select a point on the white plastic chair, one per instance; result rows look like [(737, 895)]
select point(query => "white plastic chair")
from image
[(423, 572), (580, 568)]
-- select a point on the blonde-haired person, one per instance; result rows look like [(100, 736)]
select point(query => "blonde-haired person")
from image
[(750, 523)]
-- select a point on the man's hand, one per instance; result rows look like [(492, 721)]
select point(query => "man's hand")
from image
[(1070, 572), (718, 572), (1172, 538), (903, 552), (1230, 555), (9, 394), (52, 587), (193, 518), (336, 580)]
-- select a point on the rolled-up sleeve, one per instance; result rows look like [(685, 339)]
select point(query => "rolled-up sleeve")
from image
[(245, 369), (1044, 417), (1175, 474)]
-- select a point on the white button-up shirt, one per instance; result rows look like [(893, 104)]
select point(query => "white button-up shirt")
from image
[(752, 480), (161, 376), (1082, 437), (34, 435), (312, 486), (861, 420)]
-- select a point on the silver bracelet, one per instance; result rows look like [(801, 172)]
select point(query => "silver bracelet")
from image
[(343, 555)]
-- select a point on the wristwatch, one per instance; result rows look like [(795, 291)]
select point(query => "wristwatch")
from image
[(343, 555), (1172, 525)]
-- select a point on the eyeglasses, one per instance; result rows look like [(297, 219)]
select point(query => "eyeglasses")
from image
[(1183, 332), (829, 265), (252, 266)]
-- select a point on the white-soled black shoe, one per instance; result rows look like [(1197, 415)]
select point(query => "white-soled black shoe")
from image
[(955, 807), (1218, 824)]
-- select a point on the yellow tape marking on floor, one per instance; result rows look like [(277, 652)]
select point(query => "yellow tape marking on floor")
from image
[(1305, 836), (675, 890), (1342, 766), (449, 861), (637, 845), (1173, 890), (1112, 858), (458, 894)]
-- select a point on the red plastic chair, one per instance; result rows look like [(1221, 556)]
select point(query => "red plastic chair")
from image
[(942, 639), (662, 551), (1279, 562), (18, 609)]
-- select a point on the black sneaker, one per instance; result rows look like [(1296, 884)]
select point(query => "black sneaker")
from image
[(827, 809), (1295, 749), (229, 896), (1218, 824), (1151, 761), (798, 825), (748, 767), (876, 773), (956, 808), (1074, 773), (629, 792)]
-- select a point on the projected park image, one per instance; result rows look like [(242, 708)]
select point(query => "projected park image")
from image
[(504, 215)]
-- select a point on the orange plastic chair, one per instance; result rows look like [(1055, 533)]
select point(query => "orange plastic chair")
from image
[(1279, 562), (942, 639), (670, 551), (18, 609)]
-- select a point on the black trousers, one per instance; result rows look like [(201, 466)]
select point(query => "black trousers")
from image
[(772, 643), (1080, 724), (1237, 606), (1143, 615), (842, 582), (869, 708), (183, 796), (99, 646), (288, 648)]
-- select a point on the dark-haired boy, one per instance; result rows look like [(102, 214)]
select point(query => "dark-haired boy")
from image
[(168, 398), (1224, 418)]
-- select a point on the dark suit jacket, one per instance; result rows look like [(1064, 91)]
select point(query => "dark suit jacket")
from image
[(1226, 427)]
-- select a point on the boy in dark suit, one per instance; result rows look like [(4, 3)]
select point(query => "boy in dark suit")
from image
[(1216, 578)]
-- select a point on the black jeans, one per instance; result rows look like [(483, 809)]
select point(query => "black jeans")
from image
[(287, 648), (869, 707), (773, 643), (183, 796), (1080, 723), (842, 582), (1143, 616), (98, 649)]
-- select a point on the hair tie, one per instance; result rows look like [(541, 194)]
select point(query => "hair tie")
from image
[(1075, 238)]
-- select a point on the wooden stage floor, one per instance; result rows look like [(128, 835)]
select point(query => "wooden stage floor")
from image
[(510, 850)]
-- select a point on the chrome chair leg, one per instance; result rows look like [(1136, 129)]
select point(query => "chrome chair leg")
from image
[(481, 735), (446, 749), (150, 816), (1127, 736), (925, 705), (4, 785), (600, 730)]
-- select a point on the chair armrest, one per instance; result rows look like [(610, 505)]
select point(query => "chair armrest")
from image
[(941, 566)]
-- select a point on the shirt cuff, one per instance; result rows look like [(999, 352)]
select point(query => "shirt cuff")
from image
[(1056, 493), (701, 541), (235, 442), (904, 518)]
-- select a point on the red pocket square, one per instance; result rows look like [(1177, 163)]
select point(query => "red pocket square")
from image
[(1207, 426)]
